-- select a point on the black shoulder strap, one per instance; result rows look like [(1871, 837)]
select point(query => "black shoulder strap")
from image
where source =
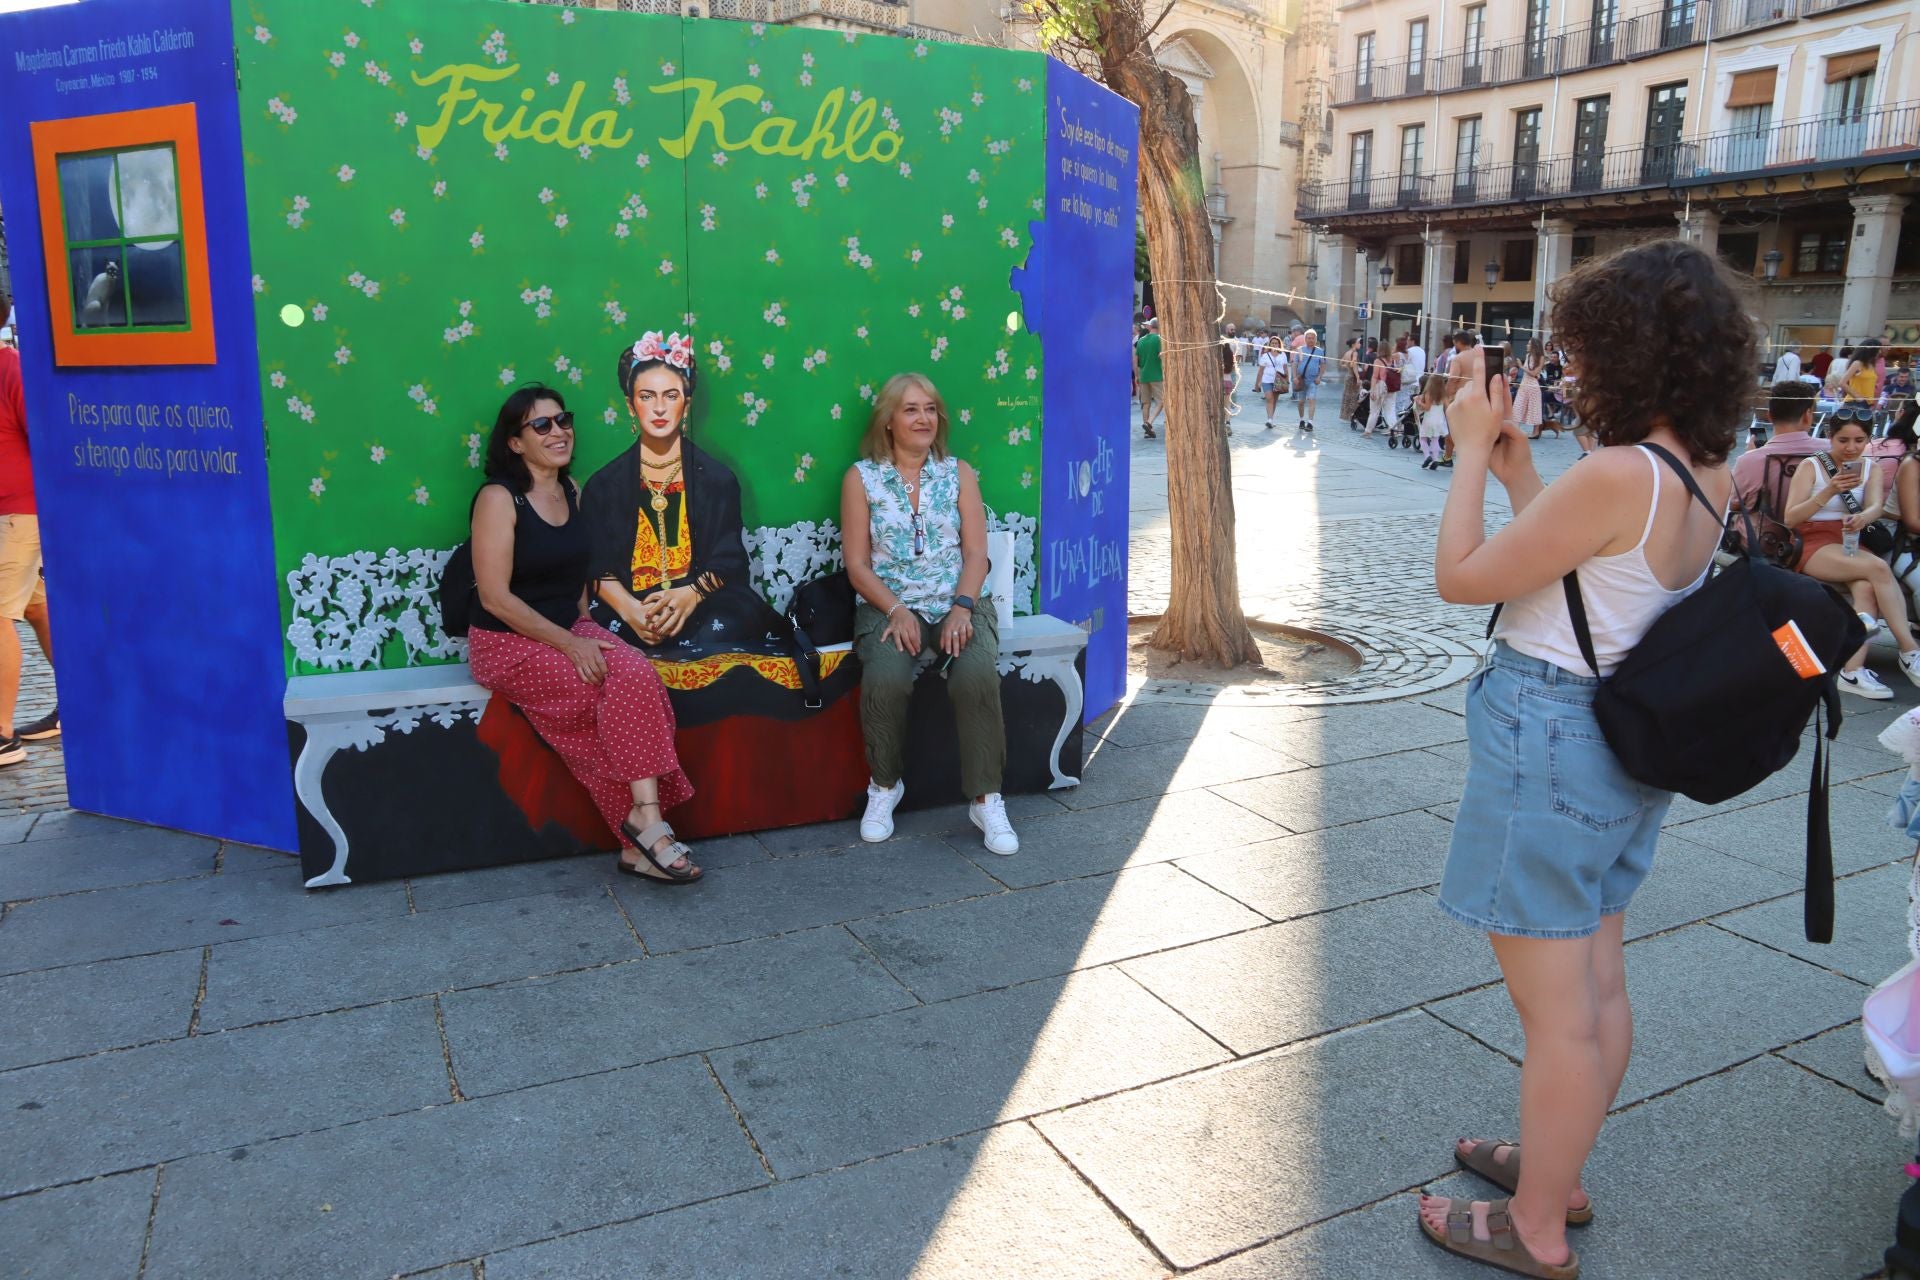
[(1686, 476), (1818, 904)]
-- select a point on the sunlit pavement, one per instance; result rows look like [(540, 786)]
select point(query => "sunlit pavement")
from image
[(1208, 1019)]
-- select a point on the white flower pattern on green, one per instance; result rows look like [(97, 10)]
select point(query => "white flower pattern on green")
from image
[(924, 582)]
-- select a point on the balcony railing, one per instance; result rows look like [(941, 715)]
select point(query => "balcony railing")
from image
[(1823, 141), (1660, 30), (1818, 142)]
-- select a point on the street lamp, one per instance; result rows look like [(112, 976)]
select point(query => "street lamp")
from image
[(1772, 259), (1386, 274), (1493, 273)]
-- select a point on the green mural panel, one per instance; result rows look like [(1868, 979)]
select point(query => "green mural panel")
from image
[(455, 196)]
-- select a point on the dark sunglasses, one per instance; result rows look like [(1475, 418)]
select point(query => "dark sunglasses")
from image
[(540, 426), (1852, 413)]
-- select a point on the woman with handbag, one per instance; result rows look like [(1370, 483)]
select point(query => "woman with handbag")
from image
[(915, 538), (596, 702), (1553, 836), (1834, 499)]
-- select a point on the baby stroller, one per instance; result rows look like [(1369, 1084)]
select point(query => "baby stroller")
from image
[(1404, 432)]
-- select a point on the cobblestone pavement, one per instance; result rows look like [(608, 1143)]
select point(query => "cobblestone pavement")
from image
[(1207, 1022), (39, 785)]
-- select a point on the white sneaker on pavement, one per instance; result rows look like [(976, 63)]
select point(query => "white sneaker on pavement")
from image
[(1910, 663), (876, 824), (990, 815), (1865, 684)]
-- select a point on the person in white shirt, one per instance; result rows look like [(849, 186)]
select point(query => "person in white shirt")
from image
[(1272, 366), (1410, 375), (1787, 367)]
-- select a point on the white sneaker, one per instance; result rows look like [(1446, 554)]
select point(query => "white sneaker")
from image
[(1872, 624), (1910, 663), (1865, 684), (990, 815), (876, 824)]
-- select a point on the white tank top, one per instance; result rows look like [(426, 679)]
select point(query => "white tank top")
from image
[(1623, 598), (1836, 508)]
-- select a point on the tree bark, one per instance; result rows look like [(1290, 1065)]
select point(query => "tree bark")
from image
[(1203, 621)]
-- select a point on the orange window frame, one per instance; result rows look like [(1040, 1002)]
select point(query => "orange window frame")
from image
[(177, 126)]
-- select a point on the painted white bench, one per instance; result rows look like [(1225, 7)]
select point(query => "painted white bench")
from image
[(358, 709)]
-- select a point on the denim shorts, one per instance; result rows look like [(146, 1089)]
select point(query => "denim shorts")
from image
[(1552, 834)]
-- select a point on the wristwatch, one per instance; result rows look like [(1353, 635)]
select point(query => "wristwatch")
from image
[(963, 602)]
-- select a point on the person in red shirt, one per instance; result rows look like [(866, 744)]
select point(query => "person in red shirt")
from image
[(22, 594)]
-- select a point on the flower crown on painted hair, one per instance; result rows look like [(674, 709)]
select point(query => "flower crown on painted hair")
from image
[(674, 349)]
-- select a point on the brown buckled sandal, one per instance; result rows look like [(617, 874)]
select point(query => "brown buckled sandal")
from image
[(643, 842), (1503, 1248), (1505, 1174)]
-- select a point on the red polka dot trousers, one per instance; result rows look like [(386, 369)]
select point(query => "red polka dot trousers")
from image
[(610, 735)]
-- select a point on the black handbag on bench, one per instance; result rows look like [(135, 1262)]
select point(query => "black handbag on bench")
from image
[(821, 612)]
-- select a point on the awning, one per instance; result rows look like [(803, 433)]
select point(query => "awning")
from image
[(1849, 65), (1753, 88)]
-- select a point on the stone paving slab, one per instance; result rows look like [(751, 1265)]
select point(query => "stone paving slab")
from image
[(140, 919), (1841, 1056), (115, 1111), (1298, 875), (1114, 774), (541, 1029), (408, 1192), (354, 964), (515, 880), (1774, 834), (1230, 1158), (1132, 834), (991, 942), (132, 855), (787, 894), (1869, 927), (1000, 1206), (14, 827), (60, 1013), (1313, 975), (86, 1231), (1350, 792), (1379, 1242), (1361, 732), (1702, 999), (949, 1069), (934, 820), (1140, 724), (1690, 881)]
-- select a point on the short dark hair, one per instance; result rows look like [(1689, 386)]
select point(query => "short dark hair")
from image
[(1666, 296), (1465, 338), (502, 462), (1789, 401)]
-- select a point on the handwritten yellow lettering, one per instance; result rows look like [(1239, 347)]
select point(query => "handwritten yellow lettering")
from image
[(601, 129), (456, 74), (705, 113)]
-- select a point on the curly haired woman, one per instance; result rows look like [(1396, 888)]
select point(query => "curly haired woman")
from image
[(1553, 837)]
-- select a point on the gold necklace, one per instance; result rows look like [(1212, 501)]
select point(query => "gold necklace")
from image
[(659, 491)]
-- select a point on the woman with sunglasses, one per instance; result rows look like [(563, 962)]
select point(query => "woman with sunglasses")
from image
[(1830, 497), (595, 701)]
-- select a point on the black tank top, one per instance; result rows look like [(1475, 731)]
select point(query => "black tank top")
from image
[(550, 564)]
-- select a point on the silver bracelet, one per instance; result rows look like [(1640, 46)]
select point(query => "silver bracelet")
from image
[(897, 606)]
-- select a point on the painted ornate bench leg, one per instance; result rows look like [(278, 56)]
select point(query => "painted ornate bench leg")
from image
[(1066, 677), (323, 740)]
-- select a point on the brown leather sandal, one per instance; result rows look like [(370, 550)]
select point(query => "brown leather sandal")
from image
[(1505, 1174), (1503, 1248)]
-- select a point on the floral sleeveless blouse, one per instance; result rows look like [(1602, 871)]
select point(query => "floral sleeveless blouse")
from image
[(923, 571)]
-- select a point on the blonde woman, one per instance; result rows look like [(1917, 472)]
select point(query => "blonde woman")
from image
[(915, 537)]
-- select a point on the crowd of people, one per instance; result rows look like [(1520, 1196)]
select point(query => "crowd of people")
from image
[(579, 586)]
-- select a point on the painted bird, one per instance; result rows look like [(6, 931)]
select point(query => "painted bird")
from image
[(102, 294)]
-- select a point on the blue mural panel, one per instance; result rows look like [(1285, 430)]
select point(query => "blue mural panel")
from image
[(1085, 270), (151, 481)]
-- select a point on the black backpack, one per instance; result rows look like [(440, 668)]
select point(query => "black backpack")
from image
[(458, 589), (1708, 705)]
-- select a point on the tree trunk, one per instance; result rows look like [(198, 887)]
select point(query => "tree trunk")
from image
[(1203, 621)]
